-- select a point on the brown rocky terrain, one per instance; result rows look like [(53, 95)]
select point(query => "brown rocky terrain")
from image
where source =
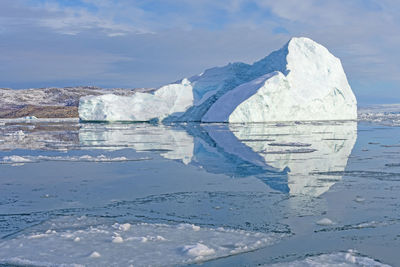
[(40, 112), (52, 102)]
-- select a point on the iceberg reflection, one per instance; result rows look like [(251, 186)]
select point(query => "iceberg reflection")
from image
[(303, 149), (290, 157), (171, 143), (285, 157)]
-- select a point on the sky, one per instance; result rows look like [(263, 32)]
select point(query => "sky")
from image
[(148, 43)]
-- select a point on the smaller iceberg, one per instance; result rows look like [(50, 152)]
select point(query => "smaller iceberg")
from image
[(169, 99), (302, 81)]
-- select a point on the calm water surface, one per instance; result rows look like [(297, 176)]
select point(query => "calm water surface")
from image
[(209, 194)]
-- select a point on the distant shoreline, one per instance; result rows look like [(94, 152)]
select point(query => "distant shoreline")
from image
[(52, 102), (40, 112)]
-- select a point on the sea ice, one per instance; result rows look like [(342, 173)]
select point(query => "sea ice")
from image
[(117, 239), (15, 159), (343, 259), (301, 81), (387, 114), (325, 222), (98, 242), (198, 250), (95, 254)]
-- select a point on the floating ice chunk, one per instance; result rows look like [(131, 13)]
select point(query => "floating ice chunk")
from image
[(34, 236), (359, 199), (344, 259), (198, 250), (160, 238), (350, 257), (189, 226), (16, 159), (95, 254), (124, 227), (77, 239), (117, 239), (325, 222)]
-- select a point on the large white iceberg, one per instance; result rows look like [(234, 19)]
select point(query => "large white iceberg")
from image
[(301, 81)]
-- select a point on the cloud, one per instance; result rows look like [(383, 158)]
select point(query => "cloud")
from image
[(150, 42)]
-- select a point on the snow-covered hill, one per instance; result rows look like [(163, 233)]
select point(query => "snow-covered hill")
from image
[(301, 81)]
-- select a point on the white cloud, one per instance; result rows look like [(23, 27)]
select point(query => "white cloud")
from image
[(188, 36)]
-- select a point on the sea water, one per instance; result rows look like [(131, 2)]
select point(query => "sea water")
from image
[(280, 194)]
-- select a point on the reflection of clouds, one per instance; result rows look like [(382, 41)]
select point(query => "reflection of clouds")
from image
[(304, 149), (172, 143)]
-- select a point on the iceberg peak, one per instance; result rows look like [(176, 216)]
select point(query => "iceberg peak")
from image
[(310, 84), (301, 81)]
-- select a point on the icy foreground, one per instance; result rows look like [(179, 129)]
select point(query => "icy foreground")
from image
[(301, 81), (82, 241)]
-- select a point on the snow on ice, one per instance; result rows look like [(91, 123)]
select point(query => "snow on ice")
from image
[(92, 242)]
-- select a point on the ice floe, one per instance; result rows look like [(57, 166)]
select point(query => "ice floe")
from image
[(387, 114), (325, 222), (343, 259), (92, 242)]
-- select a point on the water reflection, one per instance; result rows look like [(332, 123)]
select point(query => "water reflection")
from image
[(285, 157), (303, 149), (171, 143), (38, 136)]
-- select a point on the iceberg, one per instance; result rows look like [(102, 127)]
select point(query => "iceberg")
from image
[(169, 99), (302, 81)]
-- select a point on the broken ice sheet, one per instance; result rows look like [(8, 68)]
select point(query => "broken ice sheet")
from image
[(91, 242)]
